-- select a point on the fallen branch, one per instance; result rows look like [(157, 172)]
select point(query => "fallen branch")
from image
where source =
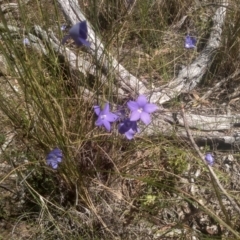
[(204, 131), (204, 128), (187, 79), (76, 62), (124, 78)]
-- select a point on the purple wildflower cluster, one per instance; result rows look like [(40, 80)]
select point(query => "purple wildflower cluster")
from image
[(139, 110)]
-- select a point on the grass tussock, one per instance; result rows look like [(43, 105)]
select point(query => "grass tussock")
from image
[(106, 187)]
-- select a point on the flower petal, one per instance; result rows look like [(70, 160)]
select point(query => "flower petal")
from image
[(190, 42), (26, 41), (54, 157), (132, 105), (134, 126), (106, 125), (63, 27), (105, 110), (53, 164), (142, 100), (130, 134), (111, 117), (59, 159), (97, 109), (74, 30), (83, 30), (122, 128), (78, 33), (209, 159), (84, 42), (99, 122), (135, 116), (150, 108), (145, 117), (56, 152)]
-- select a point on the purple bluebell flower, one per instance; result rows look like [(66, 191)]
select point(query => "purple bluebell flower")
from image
[(54, 158), (26, 41), (129, 128), (105, 116), (78, 33), (209, 159), (190, 42), (141, 109), (63, 27)]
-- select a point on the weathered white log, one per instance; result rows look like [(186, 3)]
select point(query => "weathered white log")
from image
[(124, 78), (187, 80), (188, 77), (210, 123), (83, 66), (201, 122), (191, 75), (226, 133), (205, 128), (76, 62)]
